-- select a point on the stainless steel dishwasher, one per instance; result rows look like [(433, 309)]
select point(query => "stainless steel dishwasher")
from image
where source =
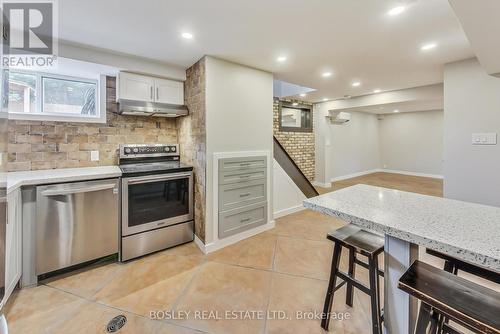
[(75, 223)]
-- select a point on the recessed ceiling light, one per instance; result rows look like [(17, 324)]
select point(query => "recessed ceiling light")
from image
[(396, 10), (428, 46), (396, 110), (326, 74), (377, 91), (281, 59), (303, 95), (356, 84), (187, 35), (325, 99), (295, 104)]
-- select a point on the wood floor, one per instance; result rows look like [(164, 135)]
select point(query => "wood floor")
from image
[(416, 184)]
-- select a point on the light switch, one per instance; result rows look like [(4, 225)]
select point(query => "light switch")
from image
[(94, 155), (489, 138)]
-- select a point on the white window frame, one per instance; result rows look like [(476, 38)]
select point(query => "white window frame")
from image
[(39, 115)]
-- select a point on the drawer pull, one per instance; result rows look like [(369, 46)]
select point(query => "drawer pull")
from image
[(245, 220), (245, 164), (244, 176), (245, 195)]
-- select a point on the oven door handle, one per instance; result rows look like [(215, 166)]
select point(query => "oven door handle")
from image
[(147, 179)]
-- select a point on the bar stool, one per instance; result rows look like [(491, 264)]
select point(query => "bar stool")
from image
[(443, 294), (357, 241), (453, 266)]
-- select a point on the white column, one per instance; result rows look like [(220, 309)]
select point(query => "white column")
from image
[(399, 308)]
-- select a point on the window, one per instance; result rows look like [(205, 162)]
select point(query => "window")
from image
[(295, 117), (22, 92), (42, 96)]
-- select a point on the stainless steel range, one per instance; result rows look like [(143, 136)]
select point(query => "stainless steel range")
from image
[(157, 199)]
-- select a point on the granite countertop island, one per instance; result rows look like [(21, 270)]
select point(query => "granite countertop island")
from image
[(19, 179), (467, 231)]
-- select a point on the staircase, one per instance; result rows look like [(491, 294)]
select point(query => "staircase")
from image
[(293, 171)]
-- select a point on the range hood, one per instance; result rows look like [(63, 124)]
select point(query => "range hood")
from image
[(155, 109)]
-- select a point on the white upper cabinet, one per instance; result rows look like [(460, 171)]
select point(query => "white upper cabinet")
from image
[(150, 89), (135, 87), (169, 91)]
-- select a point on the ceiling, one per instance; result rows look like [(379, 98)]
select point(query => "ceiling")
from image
[(355, 40)]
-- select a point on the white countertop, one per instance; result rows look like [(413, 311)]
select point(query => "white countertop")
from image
[(18, 179), (466, 231)]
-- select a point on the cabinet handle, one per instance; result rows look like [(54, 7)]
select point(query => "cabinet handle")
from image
[(151, 92), (245, 195), (244, 176), (245, 220), (157, 94)]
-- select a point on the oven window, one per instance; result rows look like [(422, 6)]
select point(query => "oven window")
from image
[(159, 200)]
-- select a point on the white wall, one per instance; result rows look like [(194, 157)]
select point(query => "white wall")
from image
[(239, 104), (471, 104), (412, 142), (122, 62), (345, 149), (354, 146), (287, 197)]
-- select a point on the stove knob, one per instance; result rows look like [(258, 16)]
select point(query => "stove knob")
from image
[(136, 150), (127, 150), (167, 149), (173, 149)]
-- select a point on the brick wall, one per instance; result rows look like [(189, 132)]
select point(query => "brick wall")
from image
[(192, 138), (299, 145), (46, 145)]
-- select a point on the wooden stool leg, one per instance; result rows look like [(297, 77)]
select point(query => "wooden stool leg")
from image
[(448, 266), (325, 321), (427, 322), (374, 295), (351, 272)]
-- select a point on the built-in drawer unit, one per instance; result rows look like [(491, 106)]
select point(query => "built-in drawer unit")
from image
[(242, 219), (232, 164), (242, 175), (242, 194)]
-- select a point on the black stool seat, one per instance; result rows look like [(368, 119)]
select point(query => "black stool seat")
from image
[(469, 304), (357, 241), (362, 241)]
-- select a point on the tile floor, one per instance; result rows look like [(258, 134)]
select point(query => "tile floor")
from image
[(283, 270)]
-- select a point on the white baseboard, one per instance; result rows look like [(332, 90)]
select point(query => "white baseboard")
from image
[(288, 211), (321, 184), (219, 244), (200, 244), (382, 170), (434, 176), (350, 176)]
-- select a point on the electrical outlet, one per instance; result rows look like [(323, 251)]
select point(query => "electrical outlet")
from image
[(94, 155)]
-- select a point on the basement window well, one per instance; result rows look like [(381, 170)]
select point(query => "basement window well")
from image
[(295, 117)]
